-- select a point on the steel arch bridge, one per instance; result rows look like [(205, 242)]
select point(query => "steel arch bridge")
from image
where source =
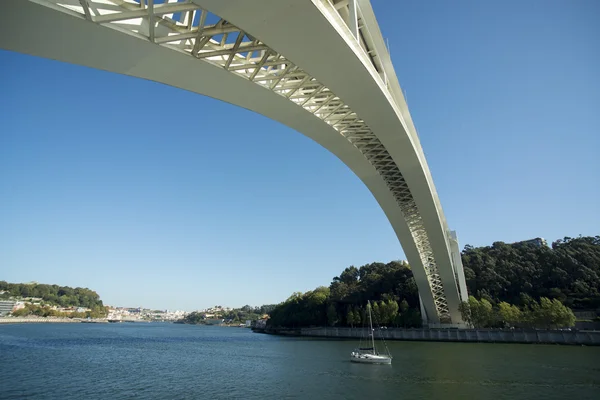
[(320, 67)]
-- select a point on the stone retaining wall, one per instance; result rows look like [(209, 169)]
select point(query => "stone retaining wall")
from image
[(590, 338)]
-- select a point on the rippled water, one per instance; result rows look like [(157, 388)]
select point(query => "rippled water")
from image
[(166, 361)]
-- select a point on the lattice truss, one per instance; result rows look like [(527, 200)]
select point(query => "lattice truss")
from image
[(185, 27)]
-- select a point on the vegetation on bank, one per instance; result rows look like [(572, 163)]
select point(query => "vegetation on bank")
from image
[(63, 296), (519, 284), (54, 295), (46, 311), (391, 287), (569, 271), (235, 316), (547, 314)]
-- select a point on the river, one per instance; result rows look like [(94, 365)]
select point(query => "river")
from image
[(169, 361)]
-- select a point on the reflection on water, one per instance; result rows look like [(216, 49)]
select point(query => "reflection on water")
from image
[(160, 361)]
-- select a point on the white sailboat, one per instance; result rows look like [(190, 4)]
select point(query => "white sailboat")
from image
[(369, 355)]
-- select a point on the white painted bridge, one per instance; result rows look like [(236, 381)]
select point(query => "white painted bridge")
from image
[(320, 67)]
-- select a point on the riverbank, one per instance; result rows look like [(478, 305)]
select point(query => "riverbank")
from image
[(588, 338), (48, 320)]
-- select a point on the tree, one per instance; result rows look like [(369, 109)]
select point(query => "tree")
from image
[(549, 314), (350, 317), (349, 276), (54, 295), (406, 316), (413, 318), (486, 313), (339, 291), (562, 316), (509, 314), (391, 311), (332, 316), (357, 317), (465, 312), (21, 312), (375, 312), (517, 274), (521, 272), (481, 312)]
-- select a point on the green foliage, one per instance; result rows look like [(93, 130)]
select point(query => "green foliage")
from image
[(390, 287), (389, 311), (407, 317), (193, 318), (357, 317), (21, 312), (482, 313), (498, 274), (350, 316), (509, 315), (376, 313), (63, 296), (465, 312), (332, 316), (47, 311), (507, 284), (547, 314), (97, 312), (235, 316), (519, 273), (477, 313)]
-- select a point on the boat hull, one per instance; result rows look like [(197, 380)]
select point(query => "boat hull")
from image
[(370, 359)]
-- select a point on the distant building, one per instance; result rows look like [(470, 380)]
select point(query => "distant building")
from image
[(261, 324), (539, 242), (6, 307)]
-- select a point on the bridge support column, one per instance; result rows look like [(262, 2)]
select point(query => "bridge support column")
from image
[(457, 265)]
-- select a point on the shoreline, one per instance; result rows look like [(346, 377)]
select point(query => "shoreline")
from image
[(587, 338), (50, 320), (60, 320)]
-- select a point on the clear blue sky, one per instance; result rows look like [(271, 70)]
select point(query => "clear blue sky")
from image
[(101, 189)]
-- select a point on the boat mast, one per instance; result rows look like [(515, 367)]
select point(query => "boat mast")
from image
[(371, 324)]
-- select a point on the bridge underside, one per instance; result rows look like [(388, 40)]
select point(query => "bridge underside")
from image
[(319, 67)]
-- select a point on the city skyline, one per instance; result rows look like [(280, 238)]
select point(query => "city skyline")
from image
[(154, 211)]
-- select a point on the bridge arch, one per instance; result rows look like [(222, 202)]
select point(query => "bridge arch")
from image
[(317, 66)]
